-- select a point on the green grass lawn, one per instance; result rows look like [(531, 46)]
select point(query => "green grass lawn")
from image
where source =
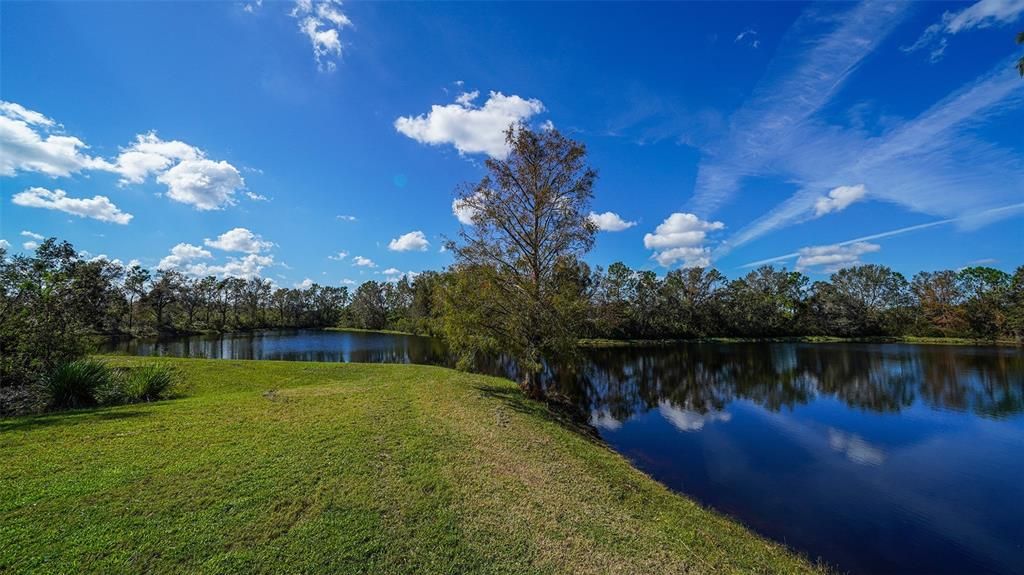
[(313, 468)]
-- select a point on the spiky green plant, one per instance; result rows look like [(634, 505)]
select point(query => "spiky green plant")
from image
[(149, 383), (76, 384)]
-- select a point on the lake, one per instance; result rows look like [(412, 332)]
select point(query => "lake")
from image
[(877, 458)]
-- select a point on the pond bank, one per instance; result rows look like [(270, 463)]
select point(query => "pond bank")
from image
[(602, 342), (312, 467)]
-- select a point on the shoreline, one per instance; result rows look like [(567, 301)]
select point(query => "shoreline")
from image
[(597, 343)]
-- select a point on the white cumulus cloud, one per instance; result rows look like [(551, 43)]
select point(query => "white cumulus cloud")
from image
[(610, 222), (338, 256), (249, 266), (30, 144), (409, 242), (395, 274), (239, 240), (97, 207), (149, 155), (182, 255), (16, 111), (681, 238), (360, 261), (838, 199), (833, 257), (27, 150), (191, 259), (471, 129), (203, 184), (463, 211), (321, 22)]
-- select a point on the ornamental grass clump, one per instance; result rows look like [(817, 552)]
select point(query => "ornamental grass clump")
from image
[(76, 384)]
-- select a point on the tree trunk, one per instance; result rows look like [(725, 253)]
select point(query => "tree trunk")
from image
[(530, 386)]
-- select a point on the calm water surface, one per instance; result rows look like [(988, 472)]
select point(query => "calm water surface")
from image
[(877, 458)]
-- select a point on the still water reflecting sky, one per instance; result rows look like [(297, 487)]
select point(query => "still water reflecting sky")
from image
[(876, 458)]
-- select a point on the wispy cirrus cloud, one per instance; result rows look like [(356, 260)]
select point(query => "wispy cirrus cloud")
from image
[(833, 257), (982, 14), (973, 219), (934, 163), (799, 82)]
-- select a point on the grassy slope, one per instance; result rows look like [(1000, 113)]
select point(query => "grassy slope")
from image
[(345, 468)]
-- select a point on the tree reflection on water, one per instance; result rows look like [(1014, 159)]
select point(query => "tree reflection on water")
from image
[(703, 378)]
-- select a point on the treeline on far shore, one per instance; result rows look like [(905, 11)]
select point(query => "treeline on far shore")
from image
[(54, 299)]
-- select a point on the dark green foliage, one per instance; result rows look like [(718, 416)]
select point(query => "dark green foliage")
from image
[(76, 384), (369, 308), (148, 383), (765, 303), (48, 303), (519, 286), (53, 304)]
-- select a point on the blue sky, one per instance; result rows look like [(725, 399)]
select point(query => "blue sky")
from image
[(323, 142)]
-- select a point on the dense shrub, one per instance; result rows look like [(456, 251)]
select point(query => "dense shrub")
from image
[(89, 383), (148, 383), (76, 384)]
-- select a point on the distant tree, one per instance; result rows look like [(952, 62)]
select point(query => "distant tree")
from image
[(423, 310), (766, 302), (135, 281), (688, 301), (189, 298), (869, 300), (162, 294), (986, 293), (44, 317), (939, 297), (644, 316), (529, 216), (98, 294), (327, 303), (207, 288), (1015, 306), (613, 300), (369, 306)]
